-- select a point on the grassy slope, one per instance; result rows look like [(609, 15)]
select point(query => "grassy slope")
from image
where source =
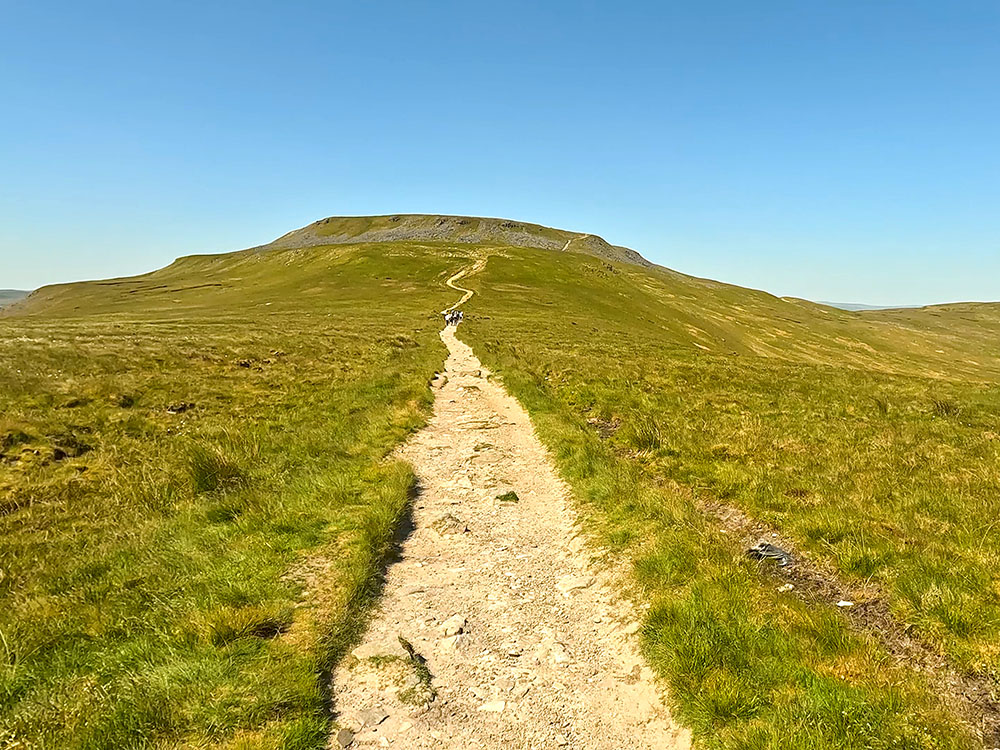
[(186, 579), (837, 427), (831, 426)]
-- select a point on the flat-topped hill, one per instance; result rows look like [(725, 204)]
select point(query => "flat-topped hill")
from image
[(343, 230)]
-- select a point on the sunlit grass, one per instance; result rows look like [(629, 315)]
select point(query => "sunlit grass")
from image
[(887, 474), (194, 506)]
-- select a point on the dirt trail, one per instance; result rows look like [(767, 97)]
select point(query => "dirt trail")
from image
[(473, 269), (516, 641), (573, 239)]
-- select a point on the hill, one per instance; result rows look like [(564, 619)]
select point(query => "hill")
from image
[(942, 341), (339, 230), (857, 307), (204, 445), (7, 296)]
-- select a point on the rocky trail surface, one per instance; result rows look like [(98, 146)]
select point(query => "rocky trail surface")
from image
[(494, 630)]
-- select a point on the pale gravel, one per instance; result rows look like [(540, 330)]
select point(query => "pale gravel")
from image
[(546, 656)]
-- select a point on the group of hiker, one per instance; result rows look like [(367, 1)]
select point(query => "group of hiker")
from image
[(453, 317)]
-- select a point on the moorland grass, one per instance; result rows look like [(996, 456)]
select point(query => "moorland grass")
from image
[(198, 494), (887, 475)]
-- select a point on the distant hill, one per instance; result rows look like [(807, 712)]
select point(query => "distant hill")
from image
[(855, 307), (341, 230), (11, 295), (310, 267)]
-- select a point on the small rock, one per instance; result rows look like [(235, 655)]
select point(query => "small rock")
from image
[(451, 642), (520, 691), (561, 741), (345, 737), (558, 654), (632, 628), (845, 603), (767, 551), (786, 587), (567, 584), (453, 625), (374, 716), (494, 707), (449, 524)]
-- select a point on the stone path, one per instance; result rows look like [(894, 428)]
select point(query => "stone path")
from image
[(494, 631)]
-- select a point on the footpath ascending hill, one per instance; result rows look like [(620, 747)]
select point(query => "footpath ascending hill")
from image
[(194, 498), (308, 265)]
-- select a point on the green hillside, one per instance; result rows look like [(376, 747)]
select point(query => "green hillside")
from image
[(206, 444), (870, 442), (194, 492)]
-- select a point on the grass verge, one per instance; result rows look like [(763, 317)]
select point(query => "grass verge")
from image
[(196, 501), (864, 469)]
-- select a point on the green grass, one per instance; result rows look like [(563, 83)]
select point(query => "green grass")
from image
[(188, 579), (888, 475), (197, 489)]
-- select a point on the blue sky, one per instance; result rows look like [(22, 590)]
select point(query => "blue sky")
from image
[(843, 150)]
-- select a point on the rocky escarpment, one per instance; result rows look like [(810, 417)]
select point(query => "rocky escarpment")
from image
[(337, 230)]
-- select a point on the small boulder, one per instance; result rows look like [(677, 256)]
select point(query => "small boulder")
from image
[(767, 551), (372, 717), (568, 584), (453, 625)]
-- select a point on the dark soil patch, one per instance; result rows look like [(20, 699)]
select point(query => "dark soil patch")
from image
[(971, 696), (605, 428)]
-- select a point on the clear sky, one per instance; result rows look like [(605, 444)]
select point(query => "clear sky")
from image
[(843, 150)]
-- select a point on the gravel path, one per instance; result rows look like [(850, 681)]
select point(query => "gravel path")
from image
[(467, 293), (516, 641)]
